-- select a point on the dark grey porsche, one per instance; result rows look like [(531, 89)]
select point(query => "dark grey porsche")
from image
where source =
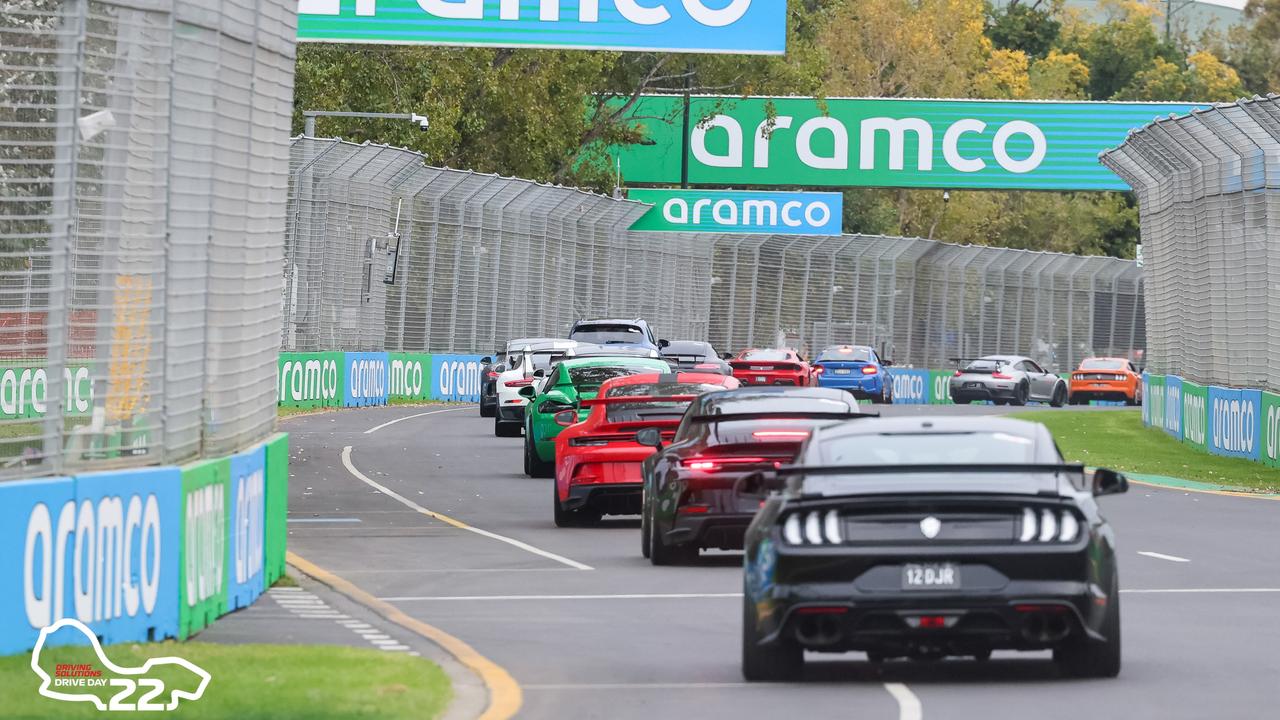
[(926, 538)]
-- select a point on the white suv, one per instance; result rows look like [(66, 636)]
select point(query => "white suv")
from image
[(522, 363)]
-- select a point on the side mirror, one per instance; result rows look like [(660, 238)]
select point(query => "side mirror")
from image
[(528, 391), (887, 363), (539, 373), (650, 437), (1109, 482), (664, 343), (486, 360)]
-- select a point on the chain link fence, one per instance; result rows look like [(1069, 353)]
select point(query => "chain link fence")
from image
[(1208, 186), (143, 171), (481, 259)]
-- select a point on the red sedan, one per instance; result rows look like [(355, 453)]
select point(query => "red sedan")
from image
[(771, 367), (598, 460)]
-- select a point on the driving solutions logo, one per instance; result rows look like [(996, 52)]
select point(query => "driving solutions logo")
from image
[(138, 687)]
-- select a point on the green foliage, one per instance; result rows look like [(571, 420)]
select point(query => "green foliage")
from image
[(1033, 29)]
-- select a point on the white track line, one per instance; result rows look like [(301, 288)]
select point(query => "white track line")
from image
[(1224, 591), (373, 430), (909, 707), (468, 598), (1162, 556), (346, 461)]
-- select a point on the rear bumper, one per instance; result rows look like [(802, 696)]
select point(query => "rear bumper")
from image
[(755, 379), (608, 499), (1028, 616), (719, 530), (984, 392), (857, 386), (511, 413), (1090, 391)]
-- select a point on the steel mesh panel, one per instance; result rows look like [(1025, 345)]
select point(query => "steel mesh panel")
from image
[(143, 168)]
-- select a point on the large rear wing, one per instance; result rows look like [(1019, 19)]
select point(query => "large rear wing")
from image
[(730, 417), (931, 468), (636, 399)]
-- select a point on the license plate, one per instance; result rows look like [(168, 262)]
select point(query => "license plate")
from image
[(843, 371), (930, 576), (761, 378), (760, 367), (973, 385)]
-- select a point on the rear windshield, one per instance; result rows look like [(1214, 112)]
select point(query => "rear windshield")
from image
[(691, 349), (1104, 365), (849, 355), (606, 334), (985, 366), (653, 409), (592, 377), (537, 360), (767, 355), (928, 449)]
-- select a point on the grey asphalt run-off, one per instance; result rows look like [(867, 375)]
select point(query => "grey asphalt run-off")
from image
[(603, 646)]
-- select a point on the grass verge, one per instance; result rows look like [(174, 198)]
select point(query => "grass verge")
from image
[(249, 682), (1117, 439)]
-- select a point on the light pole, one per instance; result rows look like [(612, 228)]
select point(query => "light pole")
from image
[(309, 118)]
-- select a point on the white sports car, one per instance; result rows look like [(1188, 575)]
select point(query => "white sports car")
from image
[(522, 362)]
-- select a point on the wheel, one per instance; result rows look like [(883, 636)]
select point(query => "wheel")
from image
[(1134, 400), (1059, 396), (780, 660), (1087, 658), (535, 466), (1000, 402), (644, 530), (505, 429), (488, 411), (528, 469), (982, 655), (1020, 395), (1075, 400), (570, 518), (661, 553)]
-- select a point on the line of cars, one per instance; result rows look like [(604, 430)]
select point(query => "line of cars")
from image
[(919, 537), (1017, 380)]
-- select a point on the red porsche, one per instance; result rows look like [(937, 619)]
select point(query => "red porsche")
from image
[(771, 367), (598, 460)]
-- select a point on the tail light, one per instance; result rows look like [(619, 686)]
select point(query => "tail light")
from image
[(706, 366), (492, 374), (818, 370), (958, 373), (870, 370), (1048, 525), (812, 528), (694, 509), (519, 383), (781, 434), (566, 418), (719, 464), (1001, 376)]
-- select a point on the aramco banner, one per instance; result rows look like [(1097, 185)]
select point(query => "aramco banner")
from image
[(738, 211), (866, 142), (756, 27)]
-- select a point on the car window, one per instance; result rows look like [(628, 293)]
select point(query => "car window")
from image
[(928, 449), (607, 334), (590, 378), (846, 355), (1034, 368), (767, 355), (1100, 364), (984, 366)]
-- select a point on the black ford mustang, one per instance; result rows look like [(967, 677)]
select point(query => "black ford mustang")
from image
[(926, 538)]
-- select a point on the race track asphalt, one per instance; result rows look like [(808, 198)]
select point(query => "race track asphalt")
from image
[(624, 639)]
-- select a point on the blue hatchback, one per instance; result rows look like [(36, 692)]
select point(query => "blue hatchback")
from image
[(857, 369)]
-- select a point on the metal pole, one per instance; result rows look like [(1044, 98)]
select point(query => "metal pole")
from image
[(309, 125)]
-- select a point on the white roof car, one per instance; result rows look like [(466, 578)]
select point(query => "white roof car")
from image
[(522, 362)]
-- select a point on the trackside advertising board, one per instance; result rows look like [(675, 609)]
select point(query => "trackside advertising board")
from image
[(739, 211), (365, 381), (205, 522), (874, 142), (24, 389), (1172, 422), (1235, 422), (1195, 403), (410, 377), (455, 378), (248, 516), (1271, 429), (310, 380), (277, 508), (708, 26), (102, 548), (910, 387)]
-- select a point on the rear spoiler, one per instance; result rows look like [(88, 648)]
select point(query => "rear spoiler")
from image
[(934, 468), (783, 416), (628, 399)]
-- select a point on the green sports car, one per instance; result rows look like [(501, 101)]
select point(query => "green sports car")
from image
[(554, 403)]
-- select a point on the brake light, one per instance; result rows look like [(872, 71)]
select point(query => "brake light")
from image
[(958, 373), (870, 370), (566, 418), (518, 383), (1001, 376), (492, 374), (706, 366), (784, 434), (702, 465), (933, 622), (694, 509), (818, 370)]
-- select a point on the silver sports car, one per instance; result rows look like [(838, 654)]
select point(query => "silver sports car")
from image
[(1007, 380)]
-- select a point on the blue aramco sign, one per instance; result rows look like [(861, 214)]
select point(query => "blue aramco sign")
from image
[(757, 27)]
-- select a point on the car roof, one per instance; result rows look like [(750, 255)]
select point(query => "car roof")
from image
[(667, 377), (657, 363), (542, 344), (609, 321), (746, 397), (938, 425), (838, 348), (1105, 357), (673, 344)]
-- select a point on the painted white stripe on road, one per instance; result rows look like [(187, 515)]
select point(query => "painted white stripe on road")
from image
[(664, 596), (642, 686), (324, 520), (346, 460), (373, 430), (909, 707), (1162, 556)]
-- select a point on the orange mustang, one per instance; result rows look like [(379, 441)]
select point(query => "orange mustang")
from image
[(598, 460), (1103, 378)]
